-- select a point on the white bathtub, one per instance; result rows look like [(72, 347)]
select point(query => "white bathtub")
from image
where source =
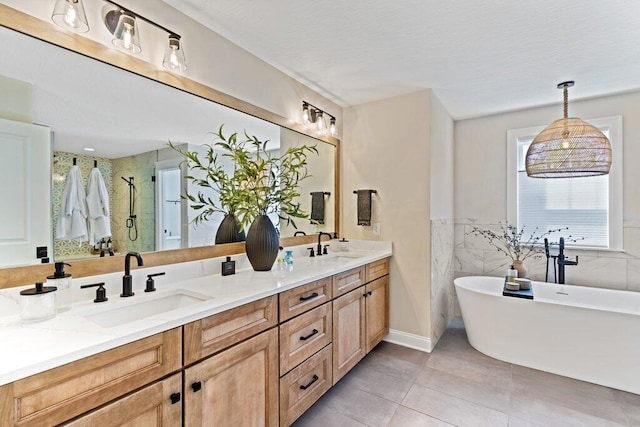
[(590, 334)]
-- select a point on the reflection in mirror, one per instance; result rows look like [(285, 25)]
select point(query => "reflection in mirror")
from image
[(122, 122)]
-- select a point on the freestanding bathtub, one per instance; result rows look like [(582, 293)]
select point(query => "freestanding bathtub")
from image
[(590, 334)]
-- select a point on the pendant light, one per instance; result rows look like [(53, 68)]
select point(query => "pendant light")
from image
[(568, 148), (174, 55), (70, 14)]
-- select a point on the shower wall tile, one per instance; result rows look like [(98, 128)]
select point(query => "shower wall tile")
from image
[(442, 268)]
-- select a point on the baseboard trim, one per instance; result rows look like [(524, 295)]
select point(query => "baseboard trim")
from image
[(405, 339)]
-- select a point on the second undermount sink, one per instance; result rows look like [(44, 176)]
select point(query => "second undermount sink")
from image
[(129, 313)]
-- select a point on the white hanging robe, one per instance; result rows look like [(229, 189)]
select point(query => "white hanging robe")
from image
[(72, 223), (98, 206)]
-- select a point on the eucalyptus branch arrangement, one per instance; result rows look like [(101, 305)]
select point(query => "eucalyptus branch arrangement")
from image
[(259, 183), (516, 244)]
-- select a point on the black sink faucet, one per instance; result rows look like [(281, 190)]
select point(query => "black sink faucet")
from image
[(319, 248), (563, 261), (127, 285)]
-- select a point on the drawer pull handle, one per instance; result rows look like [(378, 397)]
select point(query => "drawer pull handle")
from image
[(175, 398), (196, 386), (315, 331), (306, 386), (313, 295)]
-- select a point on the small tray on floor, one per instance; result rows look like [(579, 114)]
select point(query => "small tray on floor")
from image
[(522, 293)]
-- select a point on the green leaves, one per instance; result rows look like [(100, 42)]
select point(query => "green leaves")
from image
[(261, 183)]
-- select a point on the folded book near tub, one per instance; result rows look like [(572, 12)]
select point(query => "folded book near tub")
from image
[(521, 288)]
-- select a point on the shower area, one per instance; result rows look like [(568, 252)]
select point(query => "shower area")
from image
[(169, 206)]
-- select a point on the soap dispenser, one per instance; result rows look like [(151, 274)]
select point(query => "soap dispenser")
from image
[(38, 303), (62, 281)]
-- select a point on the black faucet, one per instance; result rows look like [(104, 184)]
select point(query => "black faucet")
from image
[(563, 261), (127, 285), (319, 248), (302, 233)]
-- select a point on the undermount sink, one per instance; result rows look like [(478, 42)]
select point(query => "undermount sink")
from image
[(122, 315)]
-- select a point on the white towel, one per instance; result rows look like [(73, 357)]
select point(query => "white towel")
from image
[(98, 204), (72, 223)]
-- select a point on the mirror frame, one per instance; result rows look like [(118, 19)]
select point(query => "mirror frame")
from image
[(47, 32)]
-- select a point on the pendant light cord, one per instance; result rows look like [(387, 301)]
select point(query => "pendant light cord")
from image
[(566, 101)]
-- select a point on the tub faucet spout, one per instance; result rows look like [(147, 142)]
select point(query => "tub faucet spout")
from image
[(563, 261)]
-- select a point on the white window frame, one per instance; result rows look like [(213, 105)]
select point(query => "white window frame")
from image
[(614, 126)]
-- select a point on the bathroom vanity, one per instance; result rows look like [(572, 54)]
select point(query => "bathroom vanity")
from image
[(250, 349)]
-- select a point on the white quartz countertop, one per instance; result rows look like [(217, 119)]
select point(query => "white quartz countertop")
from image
[(28, 349)]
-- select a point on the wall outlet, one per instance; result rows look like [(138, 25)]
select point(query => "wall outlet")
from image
[(376, 228)]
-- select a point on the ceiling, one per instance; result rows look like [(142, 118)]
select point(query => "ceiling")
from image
[(480, 57)]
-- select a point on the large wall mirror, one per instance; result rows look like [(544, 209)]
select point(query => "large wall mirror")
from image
[(104, 117)]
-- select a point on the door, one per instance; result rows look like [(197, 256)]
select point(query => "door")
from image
[(25, 191), (377, 323), (169, 223), (237, 387), (349, 344)]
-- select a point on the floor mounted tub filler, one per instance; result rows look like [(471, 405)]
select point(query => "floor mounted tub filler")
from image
[(591, 334)]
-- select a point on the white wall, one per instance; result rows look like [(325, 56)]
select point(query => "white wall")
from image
[(441, 137), (386, 148), (480, 159)]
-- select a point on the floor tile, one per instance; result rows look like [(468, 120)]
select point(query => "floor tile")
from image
[(566, 395), (548, 414), (361, 406), (451, 409), (405, 417), (630, 403), (571, 385), (322, 416), (498, 375), (477, 392), (519, 422), (378, 383), (410, 355), (392, 366)]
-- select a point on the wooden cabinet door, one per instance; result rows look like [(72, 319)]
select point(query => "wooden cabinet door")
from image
[(377, 300), (158, 405), (237, 387), (59, 394), (349, 344)]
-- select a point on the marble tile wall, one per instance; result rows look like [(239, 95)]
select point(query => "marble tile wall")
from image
[(442, 273), (605, 269)]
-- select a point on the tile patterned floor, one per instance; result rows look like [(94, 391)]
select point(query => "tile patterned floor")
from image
[(456, 385)]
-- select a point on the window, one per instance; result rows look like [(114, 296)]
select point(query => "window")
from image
[(591, 206)]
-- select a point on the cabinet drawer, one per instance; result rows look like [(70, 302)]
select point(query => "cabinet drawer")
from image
[(303, 298), (214, 333), (377, 269), (347, 281), (303, 336), (62, 393), (153, 406), (301, 387)]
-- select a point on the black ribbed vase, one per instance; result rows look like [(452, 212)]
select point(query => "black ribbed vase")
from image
[(262, 244), (229, 231)]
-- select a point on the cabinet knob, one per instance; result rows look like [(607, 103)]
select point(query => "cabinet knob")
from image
[(196, 386), (175, 398)]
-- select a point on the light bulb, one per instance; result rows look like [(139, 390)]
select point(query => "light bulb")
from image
[(71, 16), (174, 58), (305, 114), (319, 120), (127, 36), (565, 144), (332, 127)]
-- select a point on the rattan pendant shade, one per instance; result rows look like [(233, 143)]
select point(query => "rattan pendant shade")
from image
[(568, 148)]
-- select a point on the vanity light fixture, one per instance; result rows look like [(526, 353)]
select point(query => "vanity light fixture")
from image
[(568, 148), (70, 14), (122, 23), (312, 115)]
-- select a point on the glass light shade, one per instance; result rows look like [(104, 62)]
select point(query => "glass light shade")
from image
[(332, 127), (70, 14), (174, 55), (569, 148), (126, 34), (305, 114), (319, 120)]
